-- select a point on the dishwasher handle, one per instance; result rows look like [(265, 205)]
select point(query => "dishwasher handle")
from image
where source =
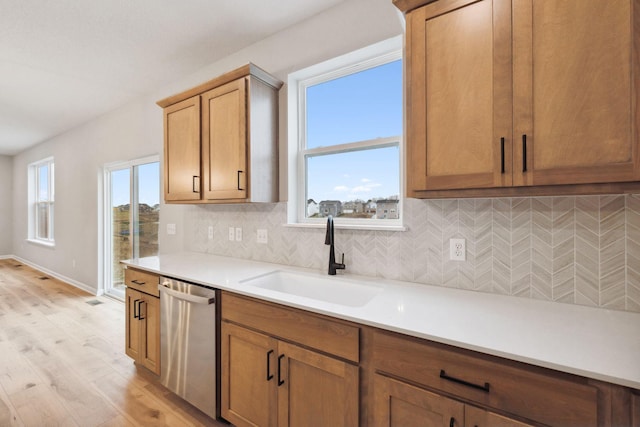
[(186, 297)]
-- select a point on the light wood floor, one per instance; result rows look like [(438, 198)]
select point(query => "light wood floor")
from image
[(62, 361)]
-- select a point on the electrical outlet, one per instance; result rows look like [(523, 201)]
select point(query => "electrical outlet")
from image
[(262, 236), (171, 229), (210, 232), (232, 234), (457, 250), (238, 234)]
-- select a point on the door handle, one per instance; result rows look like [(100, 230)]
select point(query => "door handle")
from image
[(269, 374), (239, 172), (524, 153), (135, 306), (502, 155), (140, 310), (196, 184), (280, 380)]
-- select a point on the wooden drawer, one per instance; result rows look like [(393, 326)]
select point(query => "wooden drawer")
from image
[(142, 281), (534, 393), (311, 330)]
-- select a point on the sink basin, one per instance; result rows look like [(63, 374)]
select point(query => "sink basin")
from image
[(333, 290)]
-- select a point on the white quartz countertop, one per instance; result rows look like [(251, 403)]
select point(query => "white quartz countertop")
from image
[(591, 342)]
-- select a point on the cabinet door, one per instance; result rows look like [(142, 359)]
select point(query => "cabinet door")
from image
[(224, 140), (574, 91), (132, 324), (249, 375), (149, 354), (398, 404), (182, 150), (315, 390), (459, 115), (476, 417)]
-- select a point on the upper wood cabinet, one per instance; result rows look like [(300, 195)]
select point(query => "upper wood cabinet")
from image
[(220, 140), (521, 95)]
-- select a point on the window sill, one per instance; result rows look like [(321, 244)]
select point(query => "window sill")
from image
[(50, 245), (347, 226)]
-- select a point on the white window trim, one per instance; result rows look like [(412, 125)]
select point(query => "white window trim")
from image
[(380, 53), (33, 200)]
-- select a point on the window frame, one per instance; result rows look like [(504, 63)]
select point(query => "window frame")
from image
[(35, 202), (369, 57)]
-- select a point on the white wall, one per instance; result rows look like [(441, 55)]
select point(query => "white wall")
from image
[(136, 131), (6, 213)]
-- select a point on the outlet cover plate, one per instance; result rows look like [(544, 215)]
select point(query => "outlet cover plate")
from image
[(457, 250)]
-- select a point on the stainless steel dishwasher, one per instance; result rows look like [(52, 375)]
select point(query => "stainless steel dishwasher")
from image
[(188, 342)]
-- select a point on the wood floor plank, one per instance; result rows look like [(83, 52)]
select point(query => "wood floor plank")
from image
[(62, 361)]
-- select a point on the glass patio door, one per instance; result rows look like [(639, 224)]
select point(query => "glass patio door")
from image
[(131, 217)]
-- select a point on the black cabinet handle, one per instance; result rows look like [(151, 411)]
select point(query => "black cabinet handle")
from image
[(524, 153), (239, 172), (135, 305), (280, 380), (452, 422), (269, 374), (195, 184), (137, 282), (140, 310), (484, 387), (502, 155)]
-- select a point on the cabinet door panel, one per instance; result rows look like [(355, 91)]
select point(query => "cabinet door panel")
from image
[(224, 136), (182, 150), (573, 64), (248, 396), (316, 390), (460, 95), (132, 327), (150, 339), (398, 404), (477, 417)]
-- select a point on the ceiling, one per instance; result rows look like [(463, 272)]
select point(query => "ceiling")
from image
[(65, 62)]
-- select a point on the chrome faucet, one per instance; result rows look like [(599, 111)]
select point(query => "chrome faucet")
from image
[(328, 240)]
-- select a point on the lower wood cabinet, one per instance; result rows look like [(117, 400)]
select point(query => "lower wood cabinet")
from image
[(268, 380), (282, 366), (143, 326)]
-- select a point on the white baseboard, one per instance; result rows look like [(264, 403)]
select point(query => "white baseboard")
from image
[(60, 277)]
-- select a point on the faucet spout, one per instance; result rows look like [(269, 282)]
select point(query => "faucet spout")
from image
[(329, 240)]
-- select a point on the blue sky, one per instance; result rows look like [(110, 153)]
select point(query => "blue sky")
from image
[(361, 106), (148, 181)]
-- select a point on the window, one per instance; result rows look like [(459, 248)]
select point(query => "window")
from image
[(346, 145), (41, 200)]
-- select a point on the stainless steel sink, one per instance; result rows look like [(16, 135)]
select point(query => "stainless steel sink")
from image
[(331, 289)]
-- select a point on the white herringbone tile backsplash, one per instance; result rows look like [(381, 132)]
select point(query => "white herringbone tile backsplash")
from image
[(578, 250)]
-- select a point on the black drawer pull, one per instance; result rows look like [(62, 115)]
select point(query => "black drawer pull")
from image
[(444, 376), (524, 153), (452, 422), (140, 310), (280, 380), (195, 184), (137, 282), (135, 305), (502, 155), (269, 374), (240, 188)]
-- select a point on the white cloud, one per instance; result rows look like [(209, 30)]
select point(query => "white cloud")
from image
[(365, 180), (361, 189), (342, 188)]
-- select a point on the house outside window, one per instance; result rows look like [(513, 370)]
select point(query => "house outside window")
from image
[(346, 142), (41, 200)]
